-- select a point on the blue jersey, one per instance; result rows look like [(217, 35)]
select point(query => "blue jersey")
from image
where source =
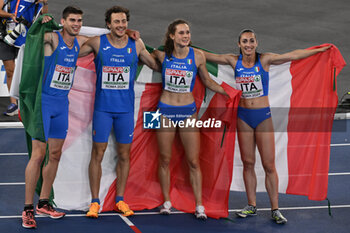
[(116, 71), (26, 8), (179, 75), (59, 69), (254, 81)]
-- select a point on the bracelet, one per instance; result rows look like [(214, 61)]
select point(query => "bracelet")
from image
[(45, 3)]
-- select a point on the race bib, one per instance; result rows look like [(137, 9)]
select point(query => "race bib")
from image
[(178, 80), (62, 78), (115, 78), (251, 86)]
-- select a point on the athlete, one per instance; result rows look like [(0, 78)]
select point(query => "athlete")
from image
[(254, 124), (116, 59), (61, 53), (180, 64)]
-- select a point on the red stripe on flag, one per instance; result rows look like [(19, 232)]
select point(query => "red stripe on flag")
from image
[(313, 104)]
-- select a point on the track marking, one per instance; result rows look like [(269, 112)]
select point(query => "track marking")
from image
[(339, 174), (179, 212), (12, 154), (15, 183), (341, 144), (330, 174), (130, 224)]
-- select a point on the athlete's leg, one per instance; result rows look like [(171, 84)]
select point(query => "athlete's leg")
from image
[(247, 146), (190, 139), (50, 170), (165, 138), (95, 169), (123, 166), (32, 171), (266, 145), (101, 128)]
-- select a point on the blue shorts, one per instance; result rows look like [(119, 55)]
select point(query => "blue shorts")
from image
[(177, 113), (253, 117), (123, 125), (55, 116)]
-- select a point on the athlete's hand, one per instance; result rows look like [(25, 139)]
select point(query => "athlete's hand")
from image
[(135, 35), (46, 19)]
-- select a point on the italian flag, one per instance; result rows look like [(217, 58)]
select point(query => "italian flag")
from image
[(303, 100)]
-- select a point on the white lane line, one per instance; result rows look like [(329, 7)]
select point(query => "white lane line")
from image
[(341, 144), (330, 174), (339, 174), (179, 212), (15, 183), (9, 154), (130, 224)]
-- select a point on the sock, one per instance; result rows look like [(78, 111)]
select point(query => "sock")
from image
[(43, 202), (119, 198), (28, 207), (95, 200)]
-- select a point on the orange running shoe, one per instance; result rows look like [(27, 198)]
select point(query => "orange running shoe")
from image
[(123, 208), (93, 211), (48, 210), (28, 220)]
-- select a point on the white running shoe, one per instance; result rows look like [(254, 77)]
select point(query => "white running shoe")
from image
[(200, 212), (166, 208)]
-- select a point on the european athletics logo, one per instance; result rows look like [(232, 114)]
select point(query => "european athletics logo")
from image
[(151, 120)]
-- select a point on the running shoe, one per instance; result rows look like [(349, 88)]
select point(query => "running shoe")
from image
[(123, 208), (200, 212), (28, 220), (278, 217), (93, 211), (12, 110), (48, 210), (247, 211), (166, 208)]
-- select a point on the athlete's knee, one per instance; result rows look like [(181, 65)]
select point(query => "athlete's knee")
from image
[(248, 163), (97, 153), (124, 157), (164, 160), (269, 167), (193, 164)]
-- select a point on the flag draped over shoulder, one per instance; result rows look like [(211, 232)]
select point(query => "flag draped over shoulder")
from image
[(303, 101), (302, 165), (31, 78), (31, 83)]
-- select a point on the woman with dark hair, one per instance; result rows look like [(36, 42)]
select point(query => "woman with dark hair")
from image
[(254, 123), (180, 64)]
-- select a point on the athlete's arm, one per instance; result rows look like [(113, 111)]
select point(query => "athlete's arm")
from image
[(277, 59), (222, 59), (50, 43), (146, 57), (91, 45), (204, 75)]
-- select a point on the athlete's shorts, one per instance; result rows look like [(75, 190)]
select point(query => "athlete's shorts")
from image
[(55, 116), (177, 113), (123, 125), (253, 117)]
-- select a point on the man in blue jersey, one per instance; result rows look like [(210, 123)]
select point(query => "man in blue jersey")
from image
[(10, 11), (116, 58), (61, 53)]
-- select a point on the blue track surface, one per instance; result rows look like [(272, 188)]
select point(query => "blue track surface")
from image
[(303, 215)]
